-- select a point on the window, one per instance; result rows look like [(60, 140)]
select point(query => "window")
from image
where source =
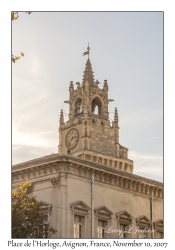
[(77, 226), (96, 107), (124, 223), (46, 212), (79, 212), (104, 216), (123, 229), (143, 225), (43, 227), (78, 106), (142, 233), (100, 230)]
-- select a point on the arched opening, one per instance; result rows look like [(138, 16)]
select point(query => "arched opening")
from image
[(78, 106), (96, 110), (96, 107)]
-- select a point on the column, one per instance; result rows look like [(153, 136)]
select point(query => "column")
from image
[(63, 205), (55, 205)]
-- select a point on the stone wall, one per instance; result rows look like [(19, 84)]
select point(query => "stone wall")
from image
[(65, 183), (102, 139)]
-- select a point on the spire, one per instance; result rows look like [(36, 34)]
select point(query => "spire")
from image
[(88, 73), (61, 117), (116, 116)]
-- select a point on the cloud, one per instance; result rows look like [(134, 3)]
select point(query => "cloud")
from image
[(40, 139), (147, 165), (22, 153)]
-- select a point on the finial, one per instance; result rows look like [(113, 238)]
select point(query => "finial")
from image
[(61, 117), (71, 85), (78, 84), (96, 83), (105, 86), (71, 88), (116, 116)]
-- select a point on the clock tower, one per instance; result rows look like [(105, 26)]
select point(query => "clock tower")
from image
[(88, 134)]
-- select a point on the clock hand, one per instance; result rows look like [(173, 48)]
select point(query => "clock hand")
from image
[(73, 137)]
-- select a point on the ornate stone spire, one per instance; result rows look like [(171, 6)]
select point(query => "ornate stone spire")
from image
[(116, 116), (61, 117), (88, 73)]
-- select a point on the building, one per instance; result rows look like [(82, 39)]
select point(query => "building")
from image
[(88, 189)]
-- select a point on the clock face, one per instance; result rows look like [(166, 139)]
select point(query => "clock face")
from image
[(72, 138)]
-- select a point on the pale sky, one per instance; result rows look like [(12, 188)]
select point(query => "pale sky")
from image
[(126, 48)]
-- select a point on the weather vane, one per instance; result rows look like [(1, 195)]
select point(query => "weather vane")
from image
[(87, 52), (14, 58)]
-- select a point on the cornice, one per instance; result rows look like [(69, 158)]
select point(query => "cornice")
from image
[(54, 164), (110, 156), (56, 158)]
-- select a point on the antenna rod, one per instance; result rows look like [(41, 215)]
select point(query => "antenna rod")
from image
[(88, 48)]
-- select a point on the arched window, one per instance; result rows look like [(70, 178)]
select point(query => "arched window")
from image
[(96, 107), (78, 106)]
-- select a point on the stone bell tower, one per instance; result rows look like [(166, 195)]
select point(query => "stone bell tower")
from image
[(88, 133)]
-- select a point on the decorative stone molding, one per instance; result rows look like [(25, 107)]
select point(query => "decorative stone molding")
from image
[(143, 221), (79, 208), (50, 168), (156, 192), (158, 225), (126, 183), (147, 189), (139, 187), (16, 175), (131, 184), (124, 217), (33, 171), (46, 208), (160, 193), (83, 168), (103, 213), (54, 181), (44, 169), (117, 181), (22, 174)]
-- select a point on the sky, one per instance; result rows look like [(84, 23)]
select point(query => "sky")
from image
[(126, 48)]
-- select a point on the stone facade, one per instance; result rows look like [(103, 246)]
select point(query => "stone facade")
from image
[(89, 186), (96, 134)]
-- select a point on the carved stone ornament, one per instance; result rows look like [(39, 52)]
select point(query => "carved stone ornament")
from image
[(54, 181)]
